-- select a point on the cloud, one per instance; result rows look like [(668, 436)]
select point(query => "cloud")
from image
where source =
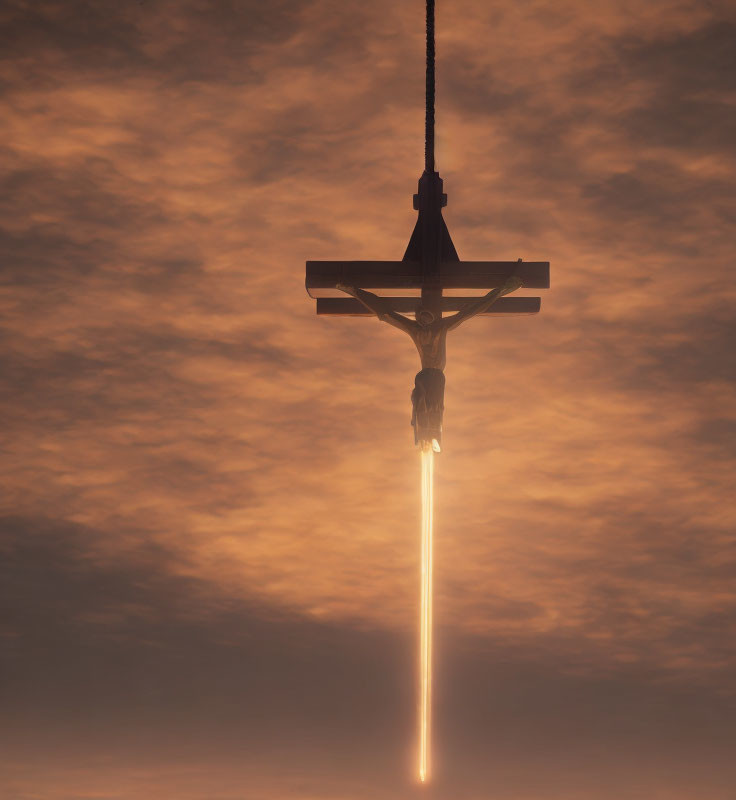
[(179, 424), (125, 664), (169, 376)]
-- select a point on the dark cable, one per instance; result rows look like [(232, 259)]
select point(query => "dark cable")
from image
[(429, 112)]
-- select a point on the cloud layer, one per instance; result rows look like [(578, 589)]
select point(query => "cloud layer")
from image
[(167, 168)]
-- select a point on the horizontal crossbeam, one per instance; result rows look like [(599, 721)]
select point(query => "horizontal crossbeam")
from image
[(408, 274), (349, 307)]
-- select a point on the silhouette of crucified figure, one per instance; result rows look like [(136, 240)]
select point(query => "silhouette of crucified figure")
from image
[(429, 334)]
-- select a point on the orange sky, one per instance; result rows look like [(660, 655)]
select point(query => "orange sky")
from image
[(195, 463)]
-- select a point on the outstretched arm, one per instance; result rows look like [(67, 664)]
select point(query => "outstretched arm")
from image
[(482, 304), (378, 306)]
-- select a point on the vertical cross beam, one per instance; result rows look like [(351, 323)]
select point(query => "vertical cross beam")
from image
[(430, 243)]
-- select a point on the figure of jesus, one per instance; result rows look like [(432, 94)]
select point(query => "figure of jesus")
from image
[(429, 334)]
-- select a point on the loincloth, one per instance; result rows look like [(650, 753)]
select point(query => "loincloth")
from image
[(428, 403), (429, 390)]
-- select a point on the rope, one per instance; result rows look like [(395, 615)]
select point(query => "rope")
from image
[(429, 110)]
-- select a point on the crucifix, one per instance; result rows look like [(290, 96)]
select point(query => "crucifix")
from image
[(430, 266)]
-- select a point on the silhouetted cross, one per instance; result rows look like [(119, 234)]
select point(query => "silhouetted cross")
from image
[(429, 266)]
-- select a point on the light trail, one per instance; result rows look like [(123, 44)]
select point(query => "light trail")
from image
[(425, 617)]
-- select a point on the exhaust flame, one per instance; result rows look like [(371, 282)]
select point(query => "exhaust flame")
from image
[(425, 623)]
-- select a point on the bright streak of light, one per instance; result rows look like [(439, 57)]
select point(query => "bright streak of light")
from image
[(425, 623)]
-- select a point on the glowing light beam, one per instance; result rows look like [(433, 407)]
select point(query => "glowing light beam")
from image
[(425, 616)]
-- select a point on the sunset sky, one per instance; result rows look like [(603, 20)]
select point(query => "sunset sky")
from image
[(209, 549)]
